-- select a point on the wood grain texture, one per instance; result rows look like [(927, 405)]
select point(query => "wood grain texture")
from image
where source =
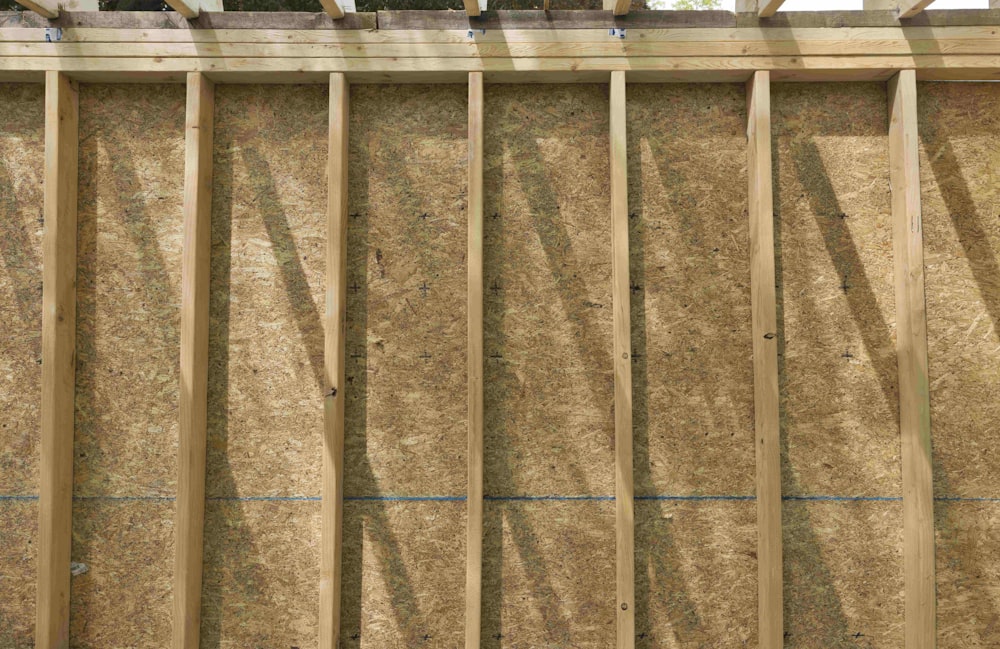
[(767, 8), (911, 347), (474, 541), (58, 361), (334, 354), (195, 273), (765, 362), (620, 296)]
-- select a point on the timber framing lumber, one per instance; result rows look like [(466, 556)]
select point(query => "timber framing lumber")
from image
[(474, 541), (767, 8), (335, 358), (617, 7), (765, 362), (620, 296), (472, 8), (911, 348), (44, 8), (195, 272), (335, 8), (910, 8), (58, 362), (193, 8)]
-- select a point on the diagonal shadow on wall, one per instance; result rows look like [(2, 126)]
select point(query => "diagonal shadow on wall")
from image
[(968, 226)]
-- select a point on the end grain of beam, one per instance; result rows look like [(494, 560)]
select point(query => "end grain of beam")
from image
[(58, 362), (620, 295), (196, 267), (474, 543), (911, 350), (334, 353), (765, 362)]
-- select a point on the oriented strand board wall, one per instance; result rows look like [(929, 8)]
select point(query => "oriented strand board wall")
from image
[(837, 364), (960, 135), (405, 456), (692, 372), (261, 580), (549, 427), (128, 320), (22, 151)]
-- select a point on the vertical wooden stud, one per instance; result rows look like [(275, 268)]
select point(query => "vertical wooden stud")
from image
[(911, 353), (195, 269), (474, 504), (624, 505), (334, 353), (765, 362), (55, 509)]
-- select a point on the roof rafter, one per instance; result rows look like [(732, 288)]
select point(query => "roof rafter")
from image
[(767, 8)]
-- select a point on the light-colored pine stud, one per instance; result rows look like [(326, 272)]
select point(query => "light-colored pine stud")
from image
[(334, 354), (55, 508), (195, 274), (911, 354), (474, 541), (765, 362), (622, 333)]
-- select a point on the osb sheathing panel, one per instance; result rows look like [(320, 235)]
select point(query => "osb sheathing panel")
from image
[(266, 331), (128, 317), (837, 362), (18, 554), (406, 344), (130, 225), (843, 577), (549, 574), (22, 154), (261, 581), (959, 137), (406, 313), (692, 372), (690, 264), (265, 365), (696, 574), (549, 426), (121, 595), (404, 574)]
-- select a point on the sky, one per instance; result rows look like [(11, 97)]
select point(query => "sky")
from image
[(818, 5)]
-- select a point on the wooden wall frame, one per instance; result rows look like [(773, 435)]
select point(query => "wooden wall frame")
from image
[(511, 48)]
